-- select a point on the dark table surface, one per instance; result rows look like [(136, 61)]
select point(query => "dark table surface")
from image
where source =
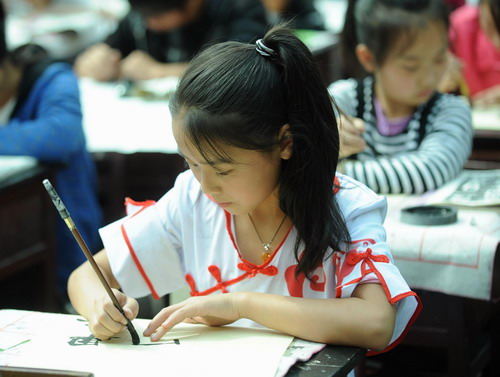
[(331, 361)]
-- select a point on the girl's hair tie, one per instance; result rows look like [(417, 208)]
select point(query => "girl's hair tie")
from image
[(265, 51)]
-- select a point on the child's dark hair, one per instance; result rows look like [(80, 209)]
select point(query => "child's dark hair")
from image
[(494, 6), (151, 7), (379, 24), (232, 95)]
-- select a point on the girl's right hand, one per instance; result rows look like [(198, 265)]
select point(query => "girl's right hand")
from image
[(106, 320), (100, 62), (453, 76), (351, 136)]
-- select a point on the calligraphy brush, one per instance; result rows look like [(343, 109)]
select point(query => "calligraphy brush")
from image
[(72, 227)]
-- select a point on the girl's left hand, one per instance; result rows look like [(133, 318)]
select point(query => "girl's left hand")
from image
[(487, 98), (215, 310), (453, 76)]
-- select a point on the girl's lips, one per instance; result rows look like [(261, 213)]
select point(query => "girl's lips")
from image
[(224, 205)]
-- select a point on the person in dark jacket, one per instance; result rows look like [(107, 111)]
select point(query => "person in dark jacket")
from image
[(40, 116), (158, 37), (300, 14)]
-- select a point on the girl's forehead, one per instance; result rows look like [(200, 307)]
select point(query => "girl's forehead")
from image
[(212, 151), (206, 153), (428, 39)]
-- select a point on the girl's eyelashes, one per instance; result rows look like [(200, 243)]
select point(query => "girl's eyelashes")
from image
[(191, 165), (223, 173), (188, 164)]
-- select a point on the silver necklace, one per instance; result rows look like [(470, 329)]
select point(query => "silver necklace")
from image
[(266, 245)]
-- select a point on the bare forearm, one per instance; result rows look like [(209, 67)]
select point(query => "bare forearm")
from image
[(84, 286), (140, 67), (171, 69), (347, 321)]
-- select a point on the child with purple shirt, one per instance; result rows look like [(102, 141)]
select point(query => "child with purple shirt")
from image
[(398, 134)]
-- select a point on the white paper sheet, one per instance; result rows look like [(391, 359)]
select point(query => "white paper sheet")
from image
[(472, 188), (59, 341), (124, 124), (487, 119), (12, 165)]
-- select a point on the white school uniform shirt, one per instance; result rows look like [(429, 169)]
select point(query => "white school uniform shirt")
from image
[(186, 237)]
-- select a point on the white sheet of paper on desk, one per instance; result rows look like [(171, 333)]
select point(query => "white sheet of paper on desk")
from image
[(158, 87), (472, 188), (11, 165), (11, 340), (125, 339), (124, 124), (66, 343), (486, 119)]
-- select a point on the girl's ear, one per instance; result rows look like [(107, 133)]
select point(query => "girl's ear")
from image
[(285, 142), (365, 57)]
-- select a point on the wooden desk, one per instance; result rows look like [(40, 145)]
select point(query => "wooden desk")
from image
[(27, 230), (486, 144), (461, 322), (485, 150), (140, 176), (332, 361)]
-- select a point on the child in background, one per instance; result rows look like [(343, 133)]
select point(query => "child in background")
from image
[(40, 116), (299, 14), (475, 48), (398, 134), (157, 38), (260, 216)]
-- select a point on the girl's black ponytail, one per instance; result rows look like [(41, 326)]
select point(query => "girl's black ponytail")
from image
[(306, 183)]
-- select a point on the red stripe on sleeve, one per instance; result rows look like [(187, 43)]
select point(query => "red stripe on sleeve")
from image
[(138, 264)]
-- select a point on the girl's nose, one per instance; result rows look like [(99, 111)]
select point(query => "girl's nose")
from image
[(431, 79)]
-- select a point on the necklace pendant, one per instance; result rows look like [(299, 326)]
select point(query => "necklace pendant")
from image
[(265, 256), (266, 246)]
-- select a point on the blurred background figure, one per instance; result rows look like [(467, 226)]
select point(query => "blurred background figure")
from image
[(474, 67), (40, 116), (399, 135), (63, 27), (158, 37), (454, 4), (302, 14)]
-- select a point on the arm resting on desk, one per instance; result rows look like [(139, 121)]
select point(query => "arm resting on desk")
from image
[(365, 320)]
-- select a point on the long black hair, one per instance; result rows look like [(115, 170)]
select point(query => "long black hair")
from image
[(232, 95), (494, 6), (379, 24)]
